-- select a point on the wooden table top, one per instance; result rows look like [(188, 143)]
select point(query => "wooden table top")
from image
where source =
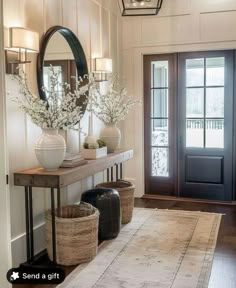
[(38, 177)]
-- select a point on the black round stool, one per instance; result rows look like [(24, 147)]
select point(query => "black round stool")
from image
[(107, 201)]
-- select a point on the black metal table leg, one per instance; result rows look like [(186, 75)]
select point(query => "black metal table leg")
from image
[(58, 202), (53, 226), (31, 224), (108, 175), (112, 178), (121, 170), (27, 223), (117, 172)]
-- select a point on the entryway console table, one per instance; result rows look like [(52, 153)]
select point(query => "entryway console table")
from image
[(38, 177)]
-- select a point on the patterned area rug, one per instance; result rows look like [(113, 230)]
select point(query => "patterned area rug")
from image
[(158, 249)]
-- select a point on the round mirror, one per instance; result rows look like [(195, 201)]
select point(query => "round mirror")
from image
[(61, 49)]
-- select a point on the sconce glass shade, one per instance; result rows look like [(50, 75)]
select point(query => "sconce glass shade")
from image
[(23, 39), (19, 42), (103, 65), (139, 7)]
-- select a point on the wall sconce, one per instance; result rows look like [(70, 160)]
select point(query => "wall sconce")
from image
[(21, 41), (139, 7), (103, 67)]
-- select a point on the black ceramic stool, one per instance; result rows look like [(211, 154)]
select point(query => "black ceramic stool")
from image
[(107, 201)]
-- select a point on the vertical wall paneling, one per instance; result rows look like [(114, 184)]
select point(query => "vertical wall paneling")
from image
[(95, 30), (53, 13), (84, 26), (105, 32), (69, 11), (214, 6), (174, 8), (113, 40), (44, 15), (119, 45), (178, 29), (222, 23), (31, 22), (15, 15)]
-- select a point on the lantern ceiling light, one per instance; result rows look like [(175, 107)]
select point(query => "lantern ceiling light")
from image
[(139, 7)]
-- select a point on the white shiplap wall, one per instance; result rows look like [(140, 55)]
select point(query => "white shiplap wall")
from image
[(181, 25), (96, 23)]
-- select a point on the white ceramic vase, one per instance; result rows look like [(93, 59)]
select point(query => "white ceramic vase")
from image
[(90, 139), (111, 135), (50, 149)]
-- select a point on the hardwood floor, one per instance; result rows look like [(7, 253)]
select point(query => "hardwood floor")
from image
[(224, 265)]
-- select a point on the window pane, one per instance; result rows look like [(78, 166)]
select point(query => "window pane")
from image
[(215, 102), (215, 133), (195, 102), (159, 74), (194, 72), (215, 72), (160, 132), (194, 133), (160, 103), (160, 162)]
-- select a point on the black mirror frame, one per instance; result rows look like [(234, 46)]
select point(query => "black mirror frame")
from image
[(77, 50)]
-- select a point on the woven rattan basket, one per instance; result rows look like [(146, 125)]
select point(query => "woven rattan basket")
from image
[(126, 192), (76, 234)]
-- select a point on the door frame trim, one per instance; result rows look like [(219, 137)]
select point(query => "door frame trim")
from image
[(177, 187), (5, 223)]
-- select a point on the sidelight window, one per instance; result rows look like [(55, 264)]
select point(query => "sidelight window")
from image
[(160, 118)]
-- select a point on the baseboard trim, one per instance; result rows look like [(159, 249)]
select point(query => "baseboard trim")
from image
[(18, 245), (183, 199)]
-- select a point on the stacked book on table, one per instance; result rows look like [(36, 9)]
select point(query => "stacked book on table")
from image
[(73, 160)]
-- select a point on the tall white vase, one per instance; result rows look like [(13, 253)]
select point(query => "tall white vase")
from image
[(50, 149), (111, 135), (90, 139)]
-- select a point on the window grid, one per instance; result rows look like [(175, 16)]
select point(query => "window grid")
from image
[(163, 108), (204, 118)]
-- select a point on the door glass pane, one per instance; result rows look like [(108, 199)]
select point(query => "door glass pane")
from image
[(215, 72), (215, 133), (195, 102), (194, 133), (160, 132), (194, 72), (159, 74), (215, 102), (160, 103), (160, 162)]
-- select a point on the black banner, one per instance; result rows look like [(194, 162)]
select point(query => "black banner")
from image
[(52, 275)]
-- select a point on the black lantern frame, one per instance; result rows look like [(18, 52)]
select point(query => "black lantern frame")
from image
[(138, 10)]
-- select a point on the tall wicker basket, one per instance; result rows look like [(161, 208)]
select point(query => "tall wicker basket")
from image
[(76, 234), (126, 192)]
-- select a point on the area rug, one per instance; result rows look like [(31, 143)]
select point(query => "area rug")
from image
[(158, 249)]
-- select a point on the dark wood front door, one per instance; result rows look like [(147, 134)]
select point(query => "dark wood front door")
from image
[(188, 102), (205, 124)]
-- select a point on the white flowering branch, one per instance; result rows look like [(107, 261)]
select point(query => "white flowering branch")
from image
[(60, 110), (112, 106)]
